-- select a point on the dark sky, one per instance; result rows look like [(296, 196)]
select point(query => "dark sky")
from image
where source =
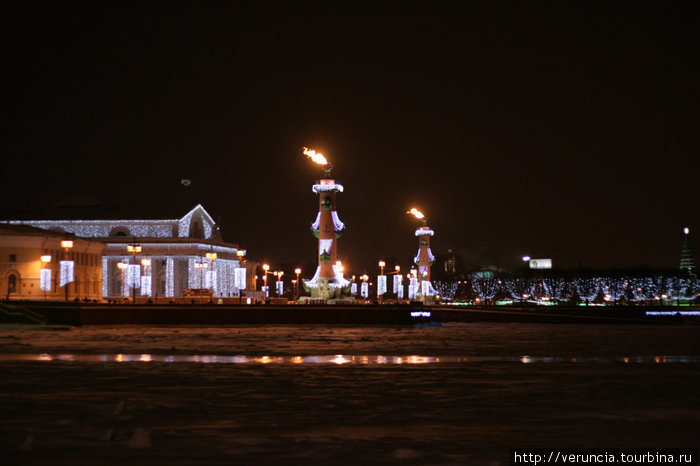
[(567, 130)]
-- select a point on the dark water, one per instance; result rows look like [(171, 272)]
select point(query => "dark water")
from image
[(462, 394)]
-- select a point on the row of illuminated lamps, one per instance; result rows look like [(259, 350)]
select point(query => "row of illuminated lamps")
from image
[(136, 248), (66, 245), (339, 266)]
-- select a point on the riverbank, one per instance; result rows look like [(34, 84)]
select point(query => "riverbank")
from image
[(78, 313)]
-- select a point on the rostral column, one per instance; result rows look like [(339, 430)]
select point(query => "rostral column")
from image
[(328, 282), (425, 258)]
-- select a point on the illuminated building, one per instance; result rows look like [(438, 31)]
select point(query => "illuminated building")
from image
[(166, 258), (30, 265), (328, 282)]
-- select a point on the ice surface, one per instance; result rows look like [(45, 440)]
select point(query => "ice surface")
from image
[(516, 385)]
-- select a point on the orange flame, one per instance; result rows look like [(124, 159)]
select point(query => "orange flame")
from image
[(418, 214), (315, 156)]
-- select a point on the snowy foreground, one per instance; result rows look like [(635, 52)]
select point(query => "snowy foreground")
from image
[(459, 394)]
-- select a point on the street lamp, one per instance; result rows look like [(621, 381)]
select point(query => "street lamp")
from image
[(279, 284), (212, 257), (201, 266), (133, 248), (45, 259), (266, 269), (297, 271), (381, 282), (66, 245), (364, 288)]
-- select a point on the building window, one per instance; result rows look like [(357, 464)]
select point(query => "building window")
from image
[(12, 284), (119, 231), (196, 231), (13, 257)]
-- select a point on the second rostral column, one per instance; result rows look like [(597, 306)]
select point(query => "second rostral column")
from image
[(328, 282)]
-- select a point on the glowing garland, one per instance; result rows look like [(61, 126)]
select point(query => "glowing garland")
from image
[(45, 279), (240, 278), (485, 288), (105, 228), (169, 277), (427, 288), (381, 285), (431, 257), (130, 227), (518, 288), (337, 224), (317, 223), (613, 289), (66, 272), (413, 288), (353, 289), (591, 289), (319, 188), (424, 231), (146, 286), (280, 287), (364, 290), (183, 230), (446, 290), (325, 245), (105, 277), (133, 276), (340, 282), (210, 281), (397, 283)]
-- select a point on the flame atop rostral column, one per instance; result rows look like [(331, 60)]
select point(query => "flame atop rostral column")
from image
[(417, 213), (315, 156)]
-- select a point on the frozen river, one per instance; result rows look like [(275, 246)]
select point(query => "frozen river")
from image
[(458, 394)]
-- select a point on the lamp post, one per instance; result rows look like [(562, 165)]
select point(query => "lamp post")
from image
[(364, 291), (212, 257), (381, 281), (122, 266), (66, 245), (396, 273), (240, 253), (133, 248), (201, 266), (280, 284), (45, 259), (266, 269), (297, 271)]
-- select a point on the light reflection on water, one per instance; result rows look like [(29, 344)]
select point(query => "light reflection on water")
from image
[(340, 359)]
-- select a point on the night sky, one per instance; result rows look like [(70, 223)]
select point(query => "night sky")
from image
[(566, 130)]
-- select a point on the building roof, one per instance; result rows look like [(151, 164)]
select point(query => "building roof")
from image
[(172, 203), (26, 230)]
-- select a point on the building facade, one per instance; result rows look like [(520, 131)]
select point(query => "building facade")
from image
[(159, 258), (31, 264)]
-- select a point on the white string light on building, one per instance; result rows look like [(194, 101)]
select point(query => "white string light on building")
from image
[(66, 276)]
